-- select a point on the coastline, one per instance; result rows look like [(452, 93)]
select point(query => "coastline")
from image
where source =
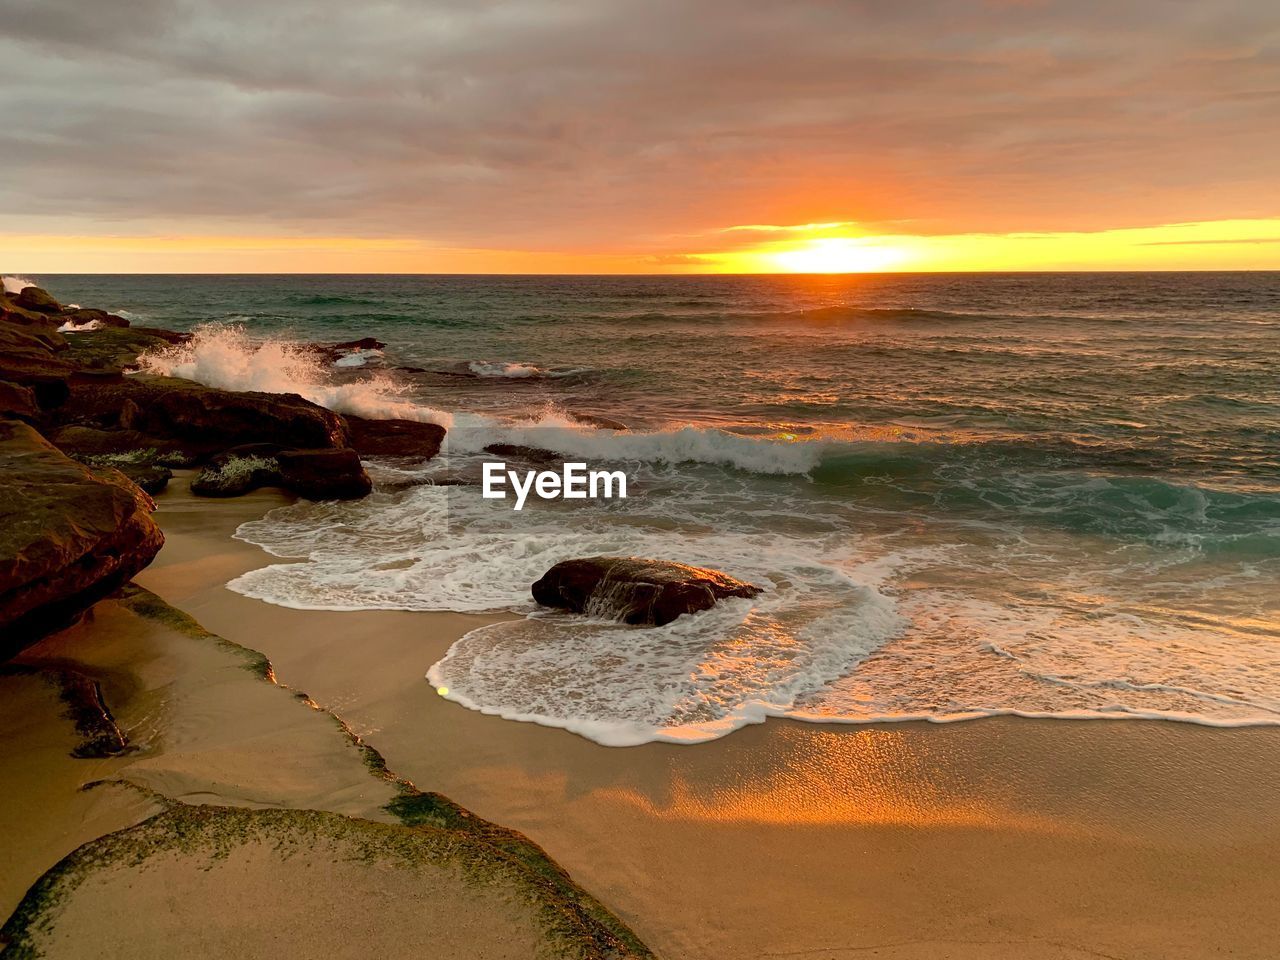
[(1001, 837)]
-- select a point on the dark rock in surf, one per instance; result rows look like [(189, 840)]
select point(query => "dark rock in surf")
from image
[(395, 438), (519, 451), (604, 423), (326, 474), (333, 352), (635, 590), (68, 536)]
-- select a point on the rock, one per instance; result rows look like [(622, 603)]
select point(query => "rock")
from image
[(324, 474), (518, 451), (238, 471), (333, 352), (68, 536), (395, 438), (314, 474), (144, 460), (635, 590), (151, 477), (113, 348), (33, 298), (28, 357), (116, 447), (605, 423), (203, 419), (10, 312), (18, 401)]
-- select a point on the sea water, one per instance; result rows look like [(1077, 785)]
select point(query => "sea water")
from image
[(1049, 495)]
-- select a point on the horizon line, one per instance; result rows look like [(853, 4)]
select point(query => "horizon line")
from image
[(856, 273)]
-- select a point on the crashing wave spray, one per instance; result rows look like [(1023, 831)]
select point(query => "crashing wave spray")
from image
[(225, 357), (14, 284)]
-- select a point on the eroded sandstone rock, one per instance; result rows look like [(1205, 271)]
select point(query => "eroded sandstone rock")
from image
[(69, 535), (635, 590)]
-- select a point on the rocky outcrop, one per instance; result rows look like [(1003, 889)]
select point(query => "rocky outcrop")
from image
[(204, 420), (29, 357), (113, 348), (395, 438), (68, 535), (635, 590), (75, 389), (327, 474), (38, 300)]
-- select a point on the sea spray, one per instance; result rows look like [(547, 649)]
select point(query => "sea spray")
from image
[(15, 284), (226, 357)]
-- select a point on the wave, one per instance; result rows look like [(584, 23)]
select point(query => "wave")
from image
[(70, 327), (1047, 482), (225, 357), (358, 358), (521, 371), (563, 434), (431, 548), (15, 284)]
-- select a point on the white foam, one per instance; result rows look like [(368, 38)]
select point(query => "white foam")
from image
[(517, 371), (520, 371), (224, 357), (438, 548), (70, 327), (555, 431), (357, 358), (15, 284)]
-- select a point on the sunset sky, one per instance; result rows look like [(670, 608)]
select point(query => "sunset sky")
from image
[(601, 136)]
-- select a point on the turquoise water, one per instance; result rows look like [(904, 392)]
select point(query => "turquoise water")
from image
[(964, 494)]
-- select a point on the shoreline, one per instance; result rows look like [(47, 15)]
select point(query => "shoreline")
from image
[(179, 727), (1083, 837)]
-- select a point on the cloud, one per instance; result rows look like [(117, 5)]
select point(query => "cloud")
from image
[(1184, 243), (609, 124)]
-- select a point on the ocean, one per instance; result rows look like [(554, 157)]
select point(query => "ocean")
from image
[(1051, 495)]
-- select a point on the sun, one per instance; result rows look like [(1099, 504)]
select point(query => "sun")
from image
[(838, 255)]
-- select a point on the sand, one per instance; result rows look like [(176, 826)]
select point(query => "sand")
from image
[(208, 882), (997, 838), (241, 819)]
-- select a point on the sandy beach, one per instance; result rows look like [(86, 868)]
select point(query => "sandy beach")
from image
[(994, 838)]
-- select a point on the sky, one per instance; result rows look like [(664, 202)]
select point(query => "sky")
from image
[(606, 136)]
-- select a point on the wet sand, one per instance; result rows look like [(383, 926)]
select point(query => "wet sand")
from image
[(998, 838)]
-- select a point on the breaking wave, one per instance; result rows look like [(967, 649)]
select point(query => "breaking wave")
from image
[(15, 284), (225, 357), (521, 371)]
